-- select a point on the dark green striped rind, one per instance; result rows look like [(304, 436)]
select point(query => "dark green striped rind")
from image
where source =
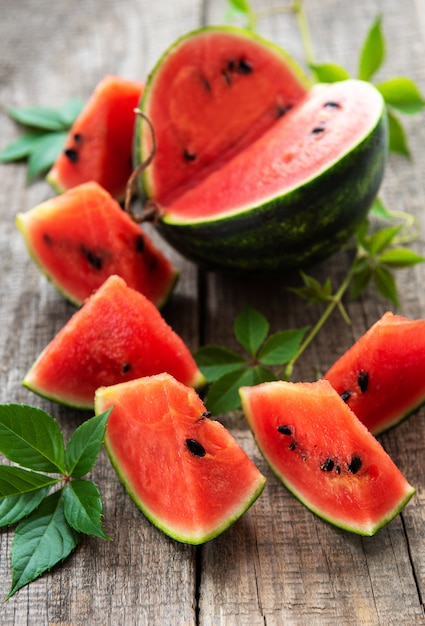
[(298, 228)]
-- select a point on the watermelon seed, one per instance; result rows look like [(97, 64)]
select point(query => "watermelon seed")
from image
[(47, 239), (94, 259), (140, 243), (363, 380), (332, 105), (231, 65), (126, 368), (77, 137), (292, 446), (72, 154), (195, 447), (346, 395), (355, 465), (206, 414), (338, 469), (282, 110), (189, 156), (284, 430), (227, 78), (244, 67), (206, 83), (327, 466), (317, 130)]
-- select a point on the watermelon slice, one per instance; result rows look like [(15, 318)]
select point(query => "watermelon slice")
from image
[(324, 455), (184, 470), (380, 376), (255, 169), (99, 143), (116, 336), (83, 236)]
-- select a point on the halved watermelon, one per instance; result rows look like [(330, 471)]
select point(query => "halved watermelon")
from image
[(184, 470), (254, 168), (83, 236), (324, 455), (116, 336), (99, 143), (380, 376)]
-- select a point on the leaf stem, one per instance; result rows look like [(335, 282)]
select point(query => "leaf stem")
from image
[(336, 301), (300, 15)]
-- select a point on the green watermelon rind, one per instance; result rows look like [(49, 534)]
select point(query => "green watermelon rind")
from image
[(272, 235), (139, 155), (166, 529)]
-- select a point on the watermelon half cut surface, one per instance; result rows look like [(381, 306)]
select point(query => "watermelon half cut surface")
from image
[(80, 238), (116, 336), (184, 470), (254, 168), (324, 455), (381, 377)]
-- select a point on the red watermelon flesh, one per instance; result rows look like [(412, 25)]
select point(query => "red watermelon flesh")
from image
[(99, 143), (116, 336), (219, 90), (184, 470), (381, 376), (83, 236), (324, 455)]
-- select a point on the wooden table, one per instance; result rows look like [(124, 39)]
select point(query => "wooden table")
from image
[(279, 564)]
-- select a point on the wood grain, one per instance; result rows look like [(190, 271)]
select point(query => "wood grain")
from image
[(279, 564)]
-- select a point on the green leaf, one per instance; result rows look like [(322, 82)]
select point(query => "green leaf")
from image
[(400, 258), (45, 118), (361, 276), (84, 446), (44, 153), (214, 361), (385, 284), (21, 147), (397, 136), (41, 541), (382, 238), (329, 72), (69, 111), (223, 394), (403, 94), (240, 5), (83, 508), (312, 290), (281, 346), (15, 481), (14, 508), (31, 437), (251, 328), (372, 54), (379, 210)]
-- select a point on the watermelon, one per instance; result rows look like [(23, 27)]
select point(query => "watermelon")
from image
[(99, 143), (83, 236), (380, 376), (116, 336), (184, 470), (324, 455), (255, 169)]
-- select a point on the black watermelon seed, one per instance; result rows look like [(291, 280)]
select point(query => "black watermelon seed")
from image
[(346, 395), (94, 260), (283, 110), (337, 469), (283, 429), (196, 448), (317, 130), (363, 380), (206, 414), (292, 446), (332, 105), (327, 466), (72, 154), (206, 83), (140, 243), (244, 67), (231, 65), (47, 239), (78, 137), (189, 156), (126, 368), (355, 465)]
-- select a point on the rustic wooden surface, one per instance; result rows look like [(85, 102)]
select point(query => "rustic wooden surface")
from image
[(279, 564)]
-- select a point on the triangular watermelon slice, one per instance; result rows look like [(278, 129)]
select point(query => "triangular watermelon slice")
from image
[(184, 470), (324, 455), (116, 336)]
